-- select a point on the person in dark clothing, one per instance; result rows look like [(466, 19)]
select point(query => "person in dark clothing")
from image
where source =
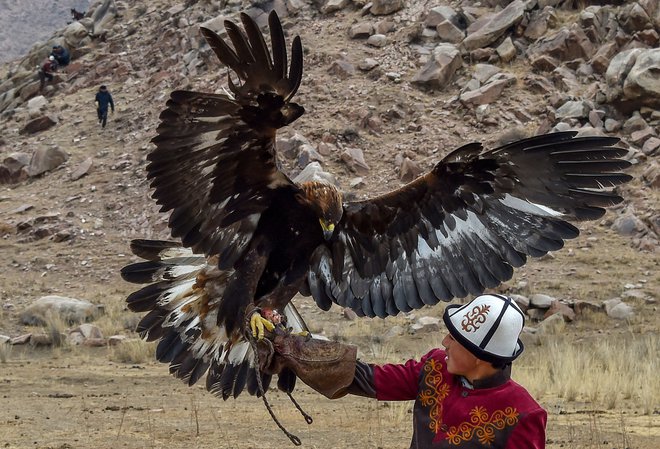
[(103, 99), (77, 15), (61, 55), (46, 72), (464, 396)]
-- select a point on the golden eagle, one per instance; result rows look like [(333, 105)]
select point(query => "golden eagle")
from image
[(250, 238)]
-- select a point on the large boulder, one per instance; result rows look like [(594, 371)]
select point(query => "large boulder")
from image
[(70, 310), (46, 159), (38, 124), (103, 16), (495, 26), (643, 80), (14, 169), (440, 69), (76, 35), (632, 79), (384, 7)]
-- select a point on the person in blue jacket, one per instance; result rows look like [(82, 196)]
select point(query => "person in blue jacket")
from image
[(103, 99), (61, 55)]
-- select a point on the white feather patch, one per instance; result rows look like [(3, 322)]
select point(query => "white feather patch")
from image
[(238, 353), (529, 207)]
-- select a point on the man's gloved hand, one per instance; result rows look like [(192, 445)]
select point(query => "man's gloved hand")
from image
[(326, 366)]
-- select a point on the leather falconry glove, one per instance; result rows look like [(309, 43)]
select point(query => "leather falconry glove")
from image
[(326, 366)]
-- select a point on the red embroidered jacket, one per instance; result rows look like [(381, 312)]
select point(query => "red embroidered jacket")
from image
[(496, 413)]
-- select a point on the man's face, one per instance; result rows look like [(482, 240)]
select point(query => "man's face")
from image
[(459, 360)]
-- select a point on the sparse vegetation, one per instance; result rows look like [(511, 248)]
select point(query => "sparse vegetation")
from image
[(610, 372), (55, 328), (5, 352), (133, 351)]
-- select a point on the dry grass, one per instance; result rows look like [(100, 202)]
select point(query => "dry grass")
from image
[(5, 352), (133, 351), (612, 373), (116, 319), (55, 327)]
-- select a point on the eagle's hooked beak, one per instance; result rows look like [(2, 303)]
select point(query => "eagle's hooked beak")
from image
[(328, 229)]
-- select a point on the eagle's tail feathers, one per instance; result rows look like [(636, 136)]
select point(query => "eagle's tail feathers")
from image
[(183, 299)]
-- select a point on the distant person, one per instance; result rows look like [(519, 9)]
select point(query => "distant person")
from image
[(77, 15), (103, 99), (61, 55), (46, 72)]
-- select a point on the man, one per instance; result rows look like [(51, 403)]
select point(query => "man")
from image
[(46, 72), (103, 99), (61, 55), (464, 397)]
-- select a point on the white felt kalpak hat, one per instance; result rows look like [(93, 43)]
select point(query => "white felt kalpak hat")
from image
[(488, 327)]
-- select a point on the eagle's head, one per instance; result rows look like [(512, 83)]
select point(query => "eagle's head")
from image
[(326, 202)]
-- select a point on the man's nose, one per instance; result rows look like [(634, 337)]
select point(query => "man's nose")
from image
[(446, 341)]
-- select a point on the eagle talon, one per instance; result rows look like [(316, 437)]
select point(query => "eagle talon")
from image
[(259, 324)]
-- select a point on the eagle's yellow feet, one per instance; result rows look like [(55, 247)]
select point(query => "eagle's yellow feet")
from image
[(302, 334), (258, 324)]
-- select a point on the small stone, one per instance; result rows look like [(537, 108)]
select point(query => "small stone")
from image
[(594, 119), (639, 137), (115, 340), (541, 301), (506, 50), (448, 32), (333, 5), (361, 30), (20, 340), (552, 325), (410, 170), (620, 311), (573, 109), (384, 7), (349, 314), (562, 309), (651, 146), (580, 307), (377, 40), (41, 339), (82, 169), (394, 331), (612, 125), (341, 69), (368, 64)]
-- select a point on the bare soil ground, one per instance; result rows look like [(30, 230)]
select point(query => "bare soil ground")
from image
[(81, 398)]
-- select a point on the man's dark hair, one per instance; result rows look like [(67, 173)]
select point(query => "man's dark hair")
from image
[(500, 364)]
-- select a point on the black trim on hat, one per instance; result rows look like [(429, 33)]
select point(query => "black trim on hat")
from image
[(495, 325), (474, 349)]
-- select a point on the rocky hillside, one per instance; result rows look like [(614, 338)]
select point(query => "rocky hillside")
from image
[(23, 22), (390, 86)]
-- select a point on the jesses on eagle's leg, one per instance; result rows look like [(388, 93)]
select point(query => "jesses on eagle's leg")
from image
[(258, 324)]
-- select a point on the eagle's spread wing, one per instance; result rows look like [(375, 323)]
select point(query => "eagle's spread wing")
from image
[(463, 227), (215, 169), (215, 165)]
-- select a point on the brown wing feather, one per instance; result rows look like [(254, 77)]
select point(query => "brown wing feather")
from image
[(462, 227), (215, 165)]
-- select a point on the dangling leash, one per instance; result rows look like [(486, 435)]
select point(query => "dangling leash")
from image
[(294, 439)]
